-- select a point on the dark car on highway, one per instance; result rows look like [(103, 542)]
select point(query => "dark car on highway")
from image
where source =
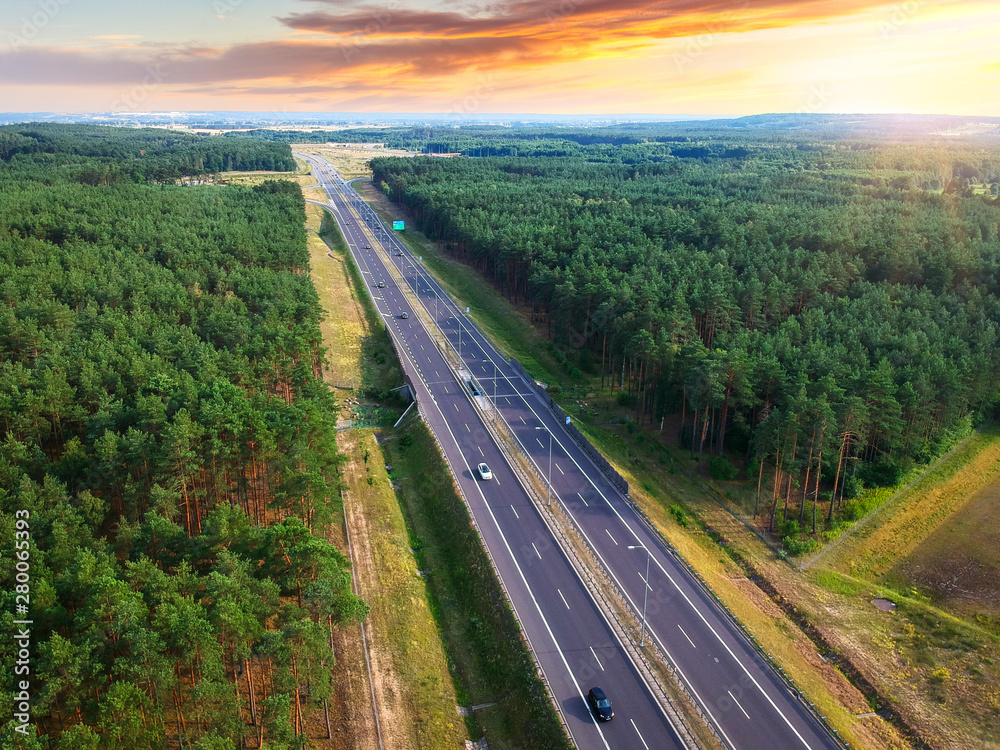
[(600, 704)]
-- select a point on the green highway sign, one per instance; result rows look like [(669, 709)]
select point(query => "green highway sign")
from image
[(400, 225)]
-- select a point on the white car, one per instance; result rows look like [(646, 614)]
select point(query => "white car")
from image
[(484, 471)]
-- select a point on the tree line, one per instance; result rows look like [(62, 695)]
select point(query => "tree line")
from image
[(825, 310), (164, 422), (98, 155)]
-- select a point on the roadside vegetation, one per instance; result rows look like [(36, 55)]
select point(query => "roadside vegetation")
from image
[(168, 433), (422, 568), (934, 683)]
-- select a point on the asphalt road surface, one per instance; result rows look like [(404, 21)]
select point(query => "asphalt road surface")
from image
[(573, 642), (750, 705)]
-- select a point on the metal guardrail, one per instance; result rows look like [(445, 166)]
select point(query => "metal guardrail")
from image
[(616, 479), (496, 571)]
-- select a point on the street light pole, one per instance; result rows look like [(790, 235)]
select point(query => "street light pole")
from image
[(548, 487), (645, 593)]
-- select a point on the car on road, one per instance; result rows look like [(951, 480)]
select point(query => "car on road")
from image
[(399, 253), (600, 704), (381, 285), (484, 471), (368, 247), (404, 315)]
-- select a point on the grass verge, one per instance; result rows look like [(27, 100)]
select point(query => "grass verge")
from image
[(873, 551), (416, 692), (680, 508), (485, 649), (485, 656), (410, 676)]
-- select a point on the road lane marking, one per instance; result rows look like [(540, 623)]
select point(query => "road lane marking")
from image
[(522, 421), (515, 512), (480, 451), (507, 400), (437, 373), (421, 349), (456, 407), (563, 598), (584, 501), (738, 703), (539, 442), (687, 636), (644, 580), (536, 550), (595, 657), (467, 427), (560, 469), (612, 538), (446, 389), (640, 735)]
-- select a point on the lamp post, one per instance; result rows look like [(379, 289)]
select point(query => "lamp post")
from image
[(496, 377), (645, 593), (548, 488)]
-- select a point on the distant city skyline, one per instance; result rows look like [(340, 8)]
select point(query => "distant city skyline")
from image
[(600, 57)]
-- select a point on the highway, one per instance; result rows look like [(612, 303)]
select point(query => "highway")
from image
[(575, 645)]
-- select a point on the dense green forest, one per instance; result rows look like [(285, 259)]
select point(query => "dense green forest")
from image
[(823, 308), (97, 155), (167, 447)]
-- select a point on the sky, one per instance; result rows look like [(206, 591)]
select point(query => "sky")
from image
[(713, 57)]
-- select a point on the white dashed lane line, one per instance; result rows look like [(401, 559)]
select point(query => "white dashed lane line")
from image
[(595, 655), (612, 538), (687, 636)]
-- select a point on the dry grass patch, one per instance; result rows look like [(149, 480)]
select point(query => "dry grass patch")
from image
[(873, 551), (414, 689), (352, 160), (343, 324)]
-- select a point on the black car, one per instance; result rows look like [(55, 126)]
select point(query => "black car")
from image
[(600, 704)]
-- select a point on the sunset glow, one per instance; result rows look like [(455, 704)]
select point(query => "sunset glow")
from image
[(564, 56)]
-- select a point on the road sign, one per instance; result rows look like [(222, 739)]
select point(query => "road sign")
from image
[(567, 420), (399, 225)]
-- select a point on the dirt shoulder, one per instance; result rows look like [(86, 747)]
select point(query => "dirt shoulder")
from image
[(413, 688)]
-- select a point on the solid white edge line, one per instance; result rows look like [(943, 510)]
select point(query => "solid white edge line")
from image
[(524, 580)]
